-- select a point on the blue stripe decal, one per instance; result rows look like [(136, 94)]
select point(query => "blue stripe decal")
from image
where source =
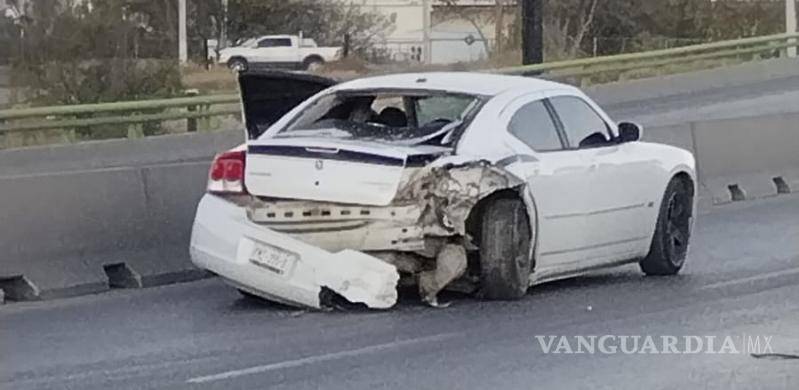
[(340, 155)]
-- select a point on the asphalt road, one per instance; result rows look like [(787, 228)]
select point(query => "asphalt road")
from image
[(742, 278), (779, 95)]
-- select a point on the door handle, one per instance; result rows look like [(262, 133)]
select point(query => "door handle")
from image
[(593, 167)]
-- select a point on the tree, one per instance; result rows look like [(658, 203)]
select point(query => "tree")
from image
[(649, 24), (635, 25), (570, 21), (9, 38), (77, 52)]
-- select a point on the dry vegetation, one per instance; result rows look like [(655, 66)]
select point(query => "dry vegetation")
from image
[(217, 79)]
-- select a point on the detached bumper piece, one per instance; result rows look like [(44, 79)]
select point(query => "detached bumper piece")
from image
[(278, 267)]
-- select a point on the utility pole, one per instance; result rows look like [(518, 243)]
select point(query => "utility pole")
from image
[(223, 28), (532, 32), (183, 52), (790, 24), (427, 45)]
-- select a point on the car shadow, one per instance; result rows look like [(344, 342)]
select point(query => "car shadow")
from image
[(244, 303), (588, 281), (409, 298)]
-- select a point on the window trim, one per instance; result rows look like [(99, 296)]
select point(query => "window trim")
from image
[(562, 128), (555, 123)]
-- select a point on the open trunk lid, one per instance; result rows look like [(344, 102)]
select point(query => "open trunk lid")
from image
[(267, 95), (355, 172)]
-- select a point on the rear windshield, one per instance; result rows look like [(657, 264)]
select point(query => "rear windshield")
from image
[(410, 117)]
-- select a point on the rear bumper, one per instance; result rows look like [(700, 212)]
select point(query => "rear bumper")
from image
[(222, 241)]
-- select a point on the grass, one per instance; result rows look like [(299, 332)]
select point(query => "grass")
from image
[(217, 79)]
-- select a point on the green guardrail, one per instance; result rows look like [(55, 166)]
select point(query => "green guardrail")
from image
[(199, 107), (678, 55)]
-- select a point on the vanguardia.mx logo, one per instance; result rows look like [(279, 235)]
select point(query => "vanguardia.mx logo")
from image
[(649, 344)]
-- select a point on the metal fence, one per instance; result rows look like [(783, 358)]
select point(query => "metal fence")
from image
[(192, 109)]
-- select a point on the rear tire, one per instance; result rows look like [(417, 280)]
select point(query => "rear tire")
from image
[(312, 64), (505, 259), (672, 232)]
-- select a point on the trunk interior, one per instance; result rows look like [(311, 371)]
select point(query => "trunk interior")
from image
[(268, 95)]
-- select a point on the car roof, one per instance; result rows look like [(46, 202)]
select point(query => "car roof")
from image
[(486, 84)]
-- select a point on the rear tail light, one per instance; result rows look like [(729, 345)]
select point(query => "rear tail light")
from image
[(227, 173)]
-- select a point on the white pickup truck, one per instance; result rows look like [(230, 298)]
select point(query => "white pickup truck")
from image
[(278, 51)]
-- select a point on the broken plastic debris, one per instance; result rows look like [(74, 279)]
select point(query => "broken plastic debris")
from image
[(359, 278), (450, 264)]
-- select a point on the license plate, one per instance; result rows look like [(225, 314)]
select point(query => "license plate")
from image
[(273, 259)]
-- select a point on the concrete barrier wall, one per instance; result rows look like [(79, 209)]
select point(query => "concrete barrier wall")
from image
[(69, 227), (84, 218), (749, 157), (60, 230), (86, 156), (741, 158), (680, 136)]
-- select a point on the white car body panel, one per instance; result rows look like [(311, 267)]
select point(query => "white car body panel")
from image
[(593, 207), (327, 179), (275, 54)]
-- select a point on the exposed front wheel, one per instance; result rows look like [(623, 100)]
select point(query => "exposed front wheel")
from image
[(672, 232), (505, 259)]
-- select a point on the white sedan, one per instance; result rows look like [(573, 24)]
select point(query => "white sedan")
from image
[(475, 182)]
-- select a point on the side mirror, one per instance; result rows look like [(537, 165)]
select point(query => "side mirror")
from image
[(630, 132)]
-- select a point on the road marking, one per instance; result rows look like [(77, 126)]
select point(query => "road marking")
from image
[(319, 358), (750, 279)]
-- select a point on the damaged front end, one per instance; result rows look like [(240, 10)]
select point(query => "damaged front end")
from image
[(422, 234)]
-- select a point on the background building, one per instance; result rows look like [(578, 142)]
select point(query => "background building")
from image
[(461, 31)]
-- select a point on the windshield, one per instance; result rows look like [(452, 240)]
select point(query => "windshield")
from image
[(412, 117), (246, 42)]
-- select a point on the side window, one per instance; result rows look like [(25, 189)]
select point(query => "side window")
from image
[(275, 42), (266, 43), (431, 108), (533, 125), (583, 126)]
